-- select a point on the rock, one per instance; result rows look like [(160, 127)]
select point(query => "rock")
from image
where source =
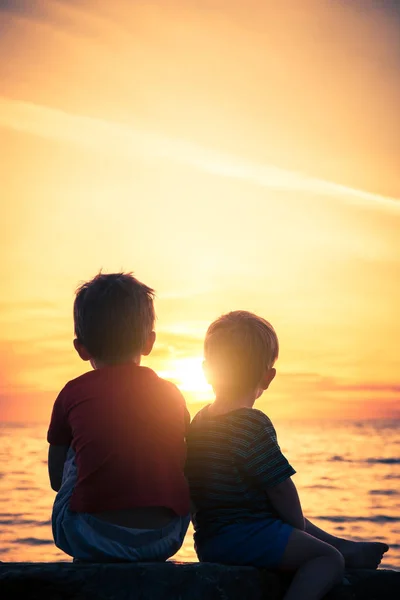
[(172, 581)]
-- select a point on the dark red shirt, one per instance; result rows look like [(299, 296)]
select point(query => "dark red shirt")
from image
[(127, 427)]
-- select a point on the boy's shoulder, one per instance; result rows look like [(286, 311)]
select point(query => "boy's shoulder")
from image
[(254, 422), (245, 417), (259, 417), (144, 378), (169, 387)]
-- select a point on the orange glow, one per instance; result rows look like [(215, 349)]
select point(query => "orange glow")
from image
[(232, 158), (189, 375)]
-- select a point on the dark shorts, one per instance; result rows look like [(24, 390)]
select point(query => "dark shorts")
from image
[(255, 543)]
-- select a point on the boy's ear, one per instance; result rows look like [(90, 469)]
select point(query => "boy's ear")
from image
[(148, 347), (268, 377), (81, 350)]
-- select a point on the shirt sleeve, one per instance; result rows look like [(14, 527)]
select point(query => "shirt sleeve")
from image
[(182, 403), (59, 432), (186, 416), (263, 462)]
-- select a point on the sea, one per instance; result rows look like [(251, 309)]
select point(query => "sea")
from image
[(348, 478)]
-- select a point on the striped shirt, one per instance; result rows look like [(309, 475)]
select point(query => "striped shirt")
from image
[(232, 460)]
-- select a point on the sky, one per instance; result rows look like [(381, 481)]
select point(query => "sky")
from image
[(233, 156)]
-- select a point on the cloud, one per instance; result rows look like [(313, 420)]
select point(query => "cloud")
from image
[(11, 6), (129, 143), (25, 406), (321, 383), (175, 345), (37, 365), (33, 305), (365, 387)]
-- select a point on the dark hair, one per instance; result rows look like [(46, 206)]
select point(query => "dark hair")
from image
[(113, 316)]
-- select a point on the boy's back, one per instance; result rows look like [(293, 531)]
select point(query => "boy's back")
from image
[(232, 458), (247, 509), (117, 435), (126, 427)]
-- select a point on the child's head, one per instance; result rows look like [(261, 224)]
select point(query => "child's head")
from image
[(240, 350), (114, 319)]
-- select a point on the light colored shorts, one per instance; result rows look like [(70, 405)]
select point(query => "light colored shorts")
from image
[(87, 538)]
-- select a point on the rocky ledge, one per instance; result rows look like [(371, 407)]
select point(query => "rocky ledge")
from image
[(173, 581)]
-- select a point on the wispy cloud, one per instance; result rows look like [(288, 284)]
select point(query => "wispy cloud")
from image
[(173, 345), (128, 142), (366, 387), (322, 383)]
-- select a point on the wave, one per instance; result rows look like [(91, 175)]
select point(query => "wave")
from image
[(322, 487), (384, 461), (19, 521), (34, 541), (345, 519), (389, 565), (379, 461)]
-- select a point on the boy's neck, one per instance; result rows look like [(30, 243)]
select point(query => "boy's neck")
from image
[(99, 364), (225, 403)]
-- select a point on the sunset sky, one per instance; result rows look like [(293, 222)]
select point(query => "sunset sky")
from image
[(233, 155)]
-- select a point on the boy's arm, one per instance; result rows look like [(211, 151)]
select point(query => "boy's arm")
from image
[(59, 437), (57, 456), (180, 398), (285, 499), (268, 469)]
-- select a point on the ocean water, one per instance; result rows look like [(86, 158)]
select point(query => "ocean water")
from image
[(348, 477)]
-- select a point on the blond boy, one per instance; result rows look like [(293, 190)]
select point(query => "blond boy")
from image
[(247, 509)]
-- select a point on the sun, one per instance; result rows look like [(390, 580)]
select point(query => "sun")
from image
[(188, 374)]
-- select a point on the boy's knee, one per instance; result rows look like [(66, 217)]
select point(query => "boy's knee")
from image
[(337, 560)]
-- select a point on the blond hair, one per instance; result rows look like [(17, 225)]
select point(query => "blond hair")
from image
[(238, 348)]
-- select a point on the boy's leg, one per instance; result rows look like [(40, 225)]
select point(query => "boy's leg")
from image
[(60, 510), (359, 555), (319, 566)]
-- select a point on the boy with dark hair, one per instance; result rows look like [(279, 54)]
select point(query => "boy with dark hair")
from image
[(117, 447), (247, 510)]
